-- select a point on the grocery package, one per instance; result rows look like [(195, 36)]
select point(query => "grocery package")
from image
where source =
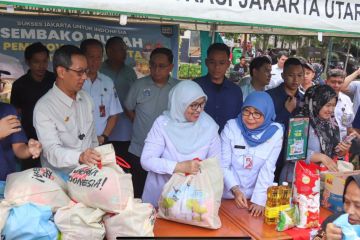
[(37, 185), (334, 183), (278, 199), (136, 220), (349, 231), (28, 222), (106, 187), (194, 199), (288, 218), (306, 193), (77, 221)]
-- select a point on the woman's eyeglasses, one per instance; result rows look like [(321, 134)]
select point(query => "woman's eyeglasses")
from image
[(195, 106), (247, 113)]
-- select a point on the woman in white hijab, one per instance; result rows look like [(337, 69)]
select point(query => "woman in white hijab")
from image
[(181, 134)]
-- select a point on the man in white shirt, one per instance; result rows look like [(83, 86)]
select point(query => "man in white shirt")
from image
[(63, 117), (344, 113), (353, 88), (277, 69), (101, 89)]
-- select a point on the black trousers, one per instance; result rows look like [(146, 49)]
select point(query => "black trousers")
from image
[(121, 150), (138, 174)]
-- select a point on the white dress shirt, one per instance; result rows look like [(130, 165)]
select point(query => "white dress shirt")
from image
[(344, 114), (276, 78), (254, 182), (60, 123), (102, 92), (159, 157), (354, 89)]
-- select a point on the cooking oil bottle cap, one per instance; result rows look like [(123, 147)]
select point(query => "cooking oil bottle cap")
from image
[(275, 184), (285, 183)]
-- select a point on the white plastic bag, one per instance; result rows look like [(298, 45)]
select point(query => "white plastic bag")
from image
[(194, 199), (77, 221), (37, 185), (136, 220), (107, 188)]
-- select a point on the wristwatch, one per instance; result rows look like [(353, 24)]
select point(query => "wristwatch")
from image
[(106, 138)]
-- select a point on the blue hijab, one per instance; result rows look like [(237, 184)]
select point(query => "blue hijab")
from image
[(264, 104)]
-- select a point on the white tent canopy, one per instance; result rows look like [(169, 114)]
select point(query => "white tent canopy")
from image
[(296, 17)]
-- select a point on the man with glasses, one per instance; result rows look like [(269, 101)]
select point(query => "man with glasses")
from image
[(63, 117), (224, 97), (29, 88), (146, 100), (101, 89)]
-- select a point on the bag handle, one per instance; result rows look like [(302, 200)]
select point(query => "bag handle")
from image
[(195, 159), (121, 162)]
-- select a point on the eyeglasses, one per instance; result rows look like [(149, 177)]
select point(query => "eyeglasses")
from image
[(195, 106), (256, 115), (80, 72)]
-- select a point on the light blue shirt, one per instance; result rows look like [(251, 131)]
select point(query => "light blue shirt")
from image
[(253, 182), (123, 79), (103, 92)]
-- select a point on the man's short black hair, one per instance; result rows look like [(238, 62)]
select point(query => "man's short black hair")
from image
[(292, 62), (282, 53), (258, 62), (34, 48), (242, 57), (164, 51), (115, 40), (335, 73), (218, 47), (62, 56), (90, 42)]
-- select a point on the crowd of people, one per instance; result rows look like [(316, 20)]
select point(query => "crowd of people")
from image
[(161, 125)]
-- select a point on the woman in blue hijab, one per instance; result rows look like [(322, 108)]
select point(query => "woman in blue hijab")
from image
[(250, 146)]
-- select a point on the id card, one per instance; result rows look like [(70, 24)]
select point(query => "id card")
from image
[(248, 162), (102, 110)]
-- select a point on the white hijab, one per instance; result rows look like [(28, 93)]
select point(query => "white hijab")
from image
[(187, 136)]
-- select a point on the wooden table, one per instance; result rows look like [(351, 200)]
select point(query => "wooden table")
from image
[(165, 228), (255, 226)]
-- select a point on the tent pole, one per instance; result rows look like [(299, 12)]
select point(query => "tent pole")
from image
[(347, 56), (328, 54)]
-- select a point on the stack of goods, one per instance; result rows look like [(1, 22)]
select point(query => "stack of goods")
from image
[(334, 182), (105, 204), (194, 199), (306, 193), (278, 199)]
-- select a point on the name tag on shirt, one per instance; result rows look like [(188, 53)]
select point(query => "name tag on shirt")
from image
[(248, 162), (102, 110)]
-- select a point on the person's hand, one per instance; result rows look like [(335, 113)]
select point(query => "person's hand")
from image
[(329, 163), (34, 148), (90, 157), (333, 232), (256, 210), (189, 166), (290, 104), (343, 148), (9, 125), (240, 199)]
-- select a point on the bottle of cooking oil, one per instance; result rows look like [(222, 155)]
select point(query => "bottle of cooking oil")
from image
[(272, 204), (285, 194)]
